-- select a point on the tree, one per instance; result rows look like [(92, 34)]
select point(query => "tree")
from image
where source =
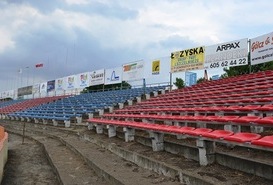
[(122, 85), (246, 69), (200, 80), (179, 83)]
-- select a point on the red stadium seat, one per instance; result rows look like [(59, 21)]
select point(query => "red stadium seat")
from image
[(265, 121), (217, 134), (247, 119), (266, 141), (266, 108), (225, 118), (250, 108), (243, 137), (200, 131), (182, 130)]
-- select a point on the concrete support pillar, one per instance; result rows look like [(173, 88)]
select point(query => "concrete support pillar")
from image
[(147, 96), (179, 124), (12, 118), (90, 115), (111, 109), (130, 102), (90, 126), (99, 129), (55, 123), (129, 134), (111, 131), (44, 121), (162, 91), (79, 119), (121, 105), (36, 120), (101, 112), (148, 121), (233, 128), (206, 152), (22, 119), (28, 119), (157, 141), (67, 123), (167, 122), (155, 93), (257, 129), (16, 118), (138, 99), (201, 125)]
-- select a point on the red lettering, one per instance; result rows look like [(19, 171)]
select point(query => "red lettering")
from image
[(257, 45)]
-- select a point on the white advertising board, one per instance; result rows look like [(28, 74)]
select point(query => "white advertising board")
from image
[(133, 71), (113, 76), (97, 77), (228, 54), (83, 80), (261, 49)]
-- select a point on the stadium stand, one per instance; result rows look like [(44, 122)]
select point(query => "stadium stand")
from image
[(20, 105), (75, 108), (235, 111)]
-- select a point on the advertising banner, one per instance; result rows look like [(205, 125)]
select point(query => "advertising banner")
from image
[(113, 76), (7, 94), (71, 82), (43, 87), (228, 54), (25, 91), (133, 71), (97, 77), (189, 59), (83, 80), (51, 86), (59, 84), (261, 49), (155, 67), (36, 89)]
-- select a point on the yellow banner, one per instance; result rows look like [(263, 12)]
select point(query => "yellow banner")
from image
[(187, 60), (155, 67)]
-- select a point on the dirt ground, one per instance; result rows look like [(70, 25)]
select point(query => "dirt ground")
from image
[(27, 163)]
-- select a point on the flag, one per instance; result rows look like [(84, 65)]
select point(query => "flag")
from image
[(39, 65)]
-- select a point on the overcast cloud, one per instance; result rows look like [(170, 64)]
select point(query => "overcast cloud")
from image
[(74, 36)]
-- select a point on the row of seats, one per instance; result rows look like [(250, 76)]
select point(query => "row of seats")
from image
[(68, 108), (16, 106), (236, 110), (235, 120), (241, 101), (249, 139)]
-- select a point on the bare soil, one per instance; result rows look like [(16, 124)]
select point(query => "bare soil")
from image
[(28, 163)]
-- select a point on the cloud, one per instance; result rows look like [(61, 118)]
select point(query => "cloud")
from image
[(73, 36)]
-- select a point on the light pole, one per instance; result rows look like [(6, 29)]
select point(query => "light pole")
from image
[(27, 68)]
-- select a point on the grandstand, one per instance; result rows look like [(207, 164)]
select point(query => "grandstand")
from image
[(202, 122), (233, 112), (73, 109)]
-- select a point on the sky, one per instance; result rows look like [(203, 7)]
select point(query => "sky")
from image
[(74, 36)]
